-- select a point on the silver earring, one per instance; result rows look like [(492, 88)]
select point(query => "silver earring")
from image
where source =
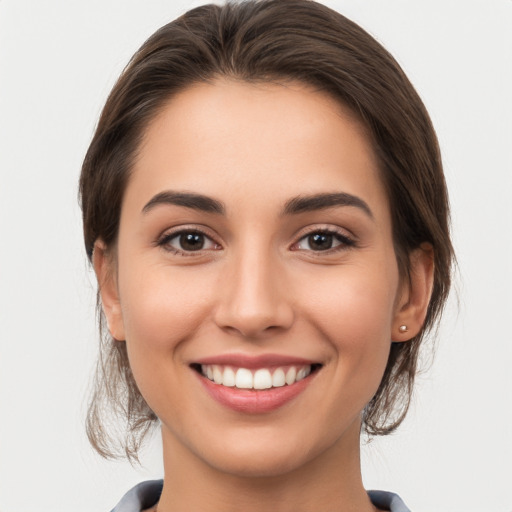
[(403, 328)]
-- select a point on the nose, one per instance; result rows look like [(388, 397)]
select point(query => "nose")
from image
[(254, 302)]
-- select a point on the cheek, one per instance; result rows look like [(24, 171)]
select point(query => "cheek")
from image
[(161, 308), (353, 308), (162, 311), (354, 299)]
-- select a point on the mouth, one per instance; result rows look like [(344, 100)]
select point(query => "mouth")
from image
[(258, 379), (255, 385)]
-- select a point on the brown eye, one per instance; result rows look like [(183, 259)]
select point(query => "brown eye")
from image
[(187, 242), (319, 241), (191, 241)]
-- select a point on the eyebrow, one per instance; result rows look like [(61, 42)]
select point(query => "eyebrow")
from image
[(301, 204), (296, 205), (188, 200)]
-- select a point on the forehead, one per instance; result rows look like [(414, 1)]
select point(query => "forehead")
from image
[(236, 140)]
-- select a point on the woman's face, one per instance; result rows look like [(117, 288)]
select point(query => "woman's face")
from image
[(255, 250)]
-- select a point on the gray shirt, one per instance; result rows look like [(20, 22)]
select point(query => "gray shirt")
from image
[(147, 494)]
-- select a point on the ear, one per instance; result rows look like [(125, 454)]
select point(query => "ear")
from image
[(104, 267), (414, 299)]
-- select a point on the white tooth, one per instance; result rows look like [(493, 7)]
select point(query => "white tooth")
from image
[(217, 375), (228, 379), (290, 375), (300, 374), (204, 369), (243, 379), (209, 372), (278, 378), (262, 379), (308, 370)]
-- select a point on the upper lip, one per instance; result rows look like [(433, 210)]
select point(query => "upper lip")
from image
[(253, 362)]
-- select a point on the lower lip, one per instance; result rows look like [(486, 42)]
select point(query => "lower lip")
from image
[(255, 401)]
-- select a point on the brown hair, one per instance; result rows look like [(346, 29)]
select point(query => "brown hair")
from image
[(269, 40)]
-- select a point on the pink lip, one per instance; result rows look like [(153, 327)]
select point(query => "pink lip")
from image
[(251, 401), (254, 362)]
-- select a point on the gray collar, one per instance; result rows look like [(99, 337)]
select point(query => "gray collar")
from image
[(147, 494)]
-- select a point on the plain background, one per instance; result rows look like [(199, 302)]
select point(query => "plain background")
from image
[(58, 61)]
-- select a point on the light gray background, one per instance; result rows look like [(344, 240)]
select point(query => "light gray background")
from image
[(58, 61)]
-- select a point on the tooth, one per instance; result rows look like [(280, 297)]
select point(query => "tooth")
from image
[(303, 372), (262, 379), (228, 379), (217, 375), (278, 378), (290, 375), (243, 379)]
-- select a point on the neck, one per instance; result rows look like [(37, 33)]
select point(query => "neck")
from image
[(331, 481)]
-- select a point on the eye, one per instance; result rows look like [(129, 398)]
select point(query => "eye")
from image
[(323, 240), (187, 241)]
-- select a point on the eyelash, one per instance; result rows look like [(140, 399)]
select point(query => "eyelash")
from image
[(345, 242), (165, 240)]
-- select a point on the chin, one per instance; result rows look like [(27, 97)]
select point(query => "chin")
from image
[(263, 464), (260, 453)]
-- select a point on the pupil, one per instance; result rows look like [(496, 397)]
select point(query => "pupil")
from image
[(320, 241), (192, 241)]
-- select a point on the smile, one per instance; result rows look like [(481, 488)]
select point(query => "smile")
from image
[(259, 379), (255, 385)]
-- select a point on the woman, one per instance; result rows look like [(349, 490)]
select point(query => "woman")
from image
[(266, 213)]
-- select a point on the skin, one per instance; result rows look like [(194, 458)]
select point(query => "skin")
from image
[(256, 287)]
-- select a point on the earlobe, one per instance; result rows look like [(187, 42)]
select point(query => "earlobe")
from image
[(414, 300), (104, 268)]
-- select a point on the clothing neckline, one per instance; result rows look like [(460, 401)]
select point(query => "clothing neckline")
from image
[(146, 495)]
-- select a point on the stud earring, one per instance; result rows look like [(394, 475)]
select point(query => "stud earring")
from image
[(403, 328)]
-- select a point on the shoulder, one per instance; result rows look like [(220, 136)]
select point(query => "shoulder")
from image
[(388, 501), (140, 497)]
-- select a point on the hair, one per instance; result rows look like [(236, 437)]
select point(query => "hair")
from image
[(268, 41)]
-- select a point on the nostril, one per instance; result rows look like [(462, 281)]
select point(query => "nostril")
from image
[(256, 305)]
